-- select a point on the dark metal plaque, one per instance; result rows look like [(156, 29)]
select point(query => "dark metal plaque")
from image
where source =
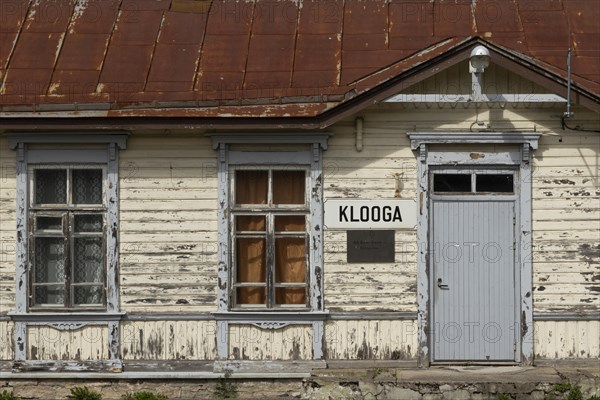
[(370, 246)]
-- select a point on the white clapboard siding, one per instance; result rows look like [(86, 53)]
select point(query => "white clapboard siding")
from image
[(168, 228), (566, 216), (8, 238), (47, 343), (370, 340), (248, 342), (566, 339), (168, 340), (7, 340)]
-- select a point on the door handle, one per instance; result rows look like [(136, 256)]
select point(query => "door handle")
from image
[(440, 285)]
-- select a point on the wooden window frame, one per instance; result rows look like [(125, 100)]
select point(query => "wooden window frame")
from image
[(270, 211), (67, 212), (81, 148), (473, 173)]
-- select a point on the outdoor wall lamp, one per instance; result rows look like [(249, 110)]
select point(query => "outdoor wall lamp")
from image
[(479, 60)]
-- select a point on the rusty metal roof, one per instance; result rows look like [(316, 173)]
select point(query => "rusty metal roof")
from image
[(264, 58)]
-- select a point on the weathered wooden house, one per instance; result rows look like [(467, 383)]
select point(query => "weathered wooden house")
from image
[(195, 185)]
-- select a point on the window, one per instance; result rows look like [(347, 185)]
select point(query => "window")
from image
[(270, 218), (491, 182), (67, 252)]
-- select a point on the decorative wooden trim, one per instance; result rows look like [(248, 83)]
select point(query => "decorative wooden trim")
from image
[(20, 142), (62, 326), (56, 317), (419, 138), (223, 229), (271, 138), (314, 158), (525, 278), (119, 138), (271, 325), (257, 316)]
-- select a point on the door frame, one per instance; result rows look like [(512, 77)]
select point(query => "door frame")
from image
[(474, 197), (498, 149)]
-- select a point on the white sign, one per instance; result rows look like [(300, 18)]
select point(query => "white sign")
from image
[(370, 214)]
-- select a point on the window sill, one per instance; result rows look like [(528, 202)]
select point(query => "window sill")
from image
[(262, 315), (66, 316)]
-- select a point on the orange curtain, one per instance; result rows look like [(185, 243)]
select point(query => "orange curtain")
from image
[(288, 187), (251, 268), (290, 267), (251, 187)]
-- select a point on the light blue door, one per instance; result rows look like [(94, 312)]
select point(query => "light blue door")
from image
[(473, 278)]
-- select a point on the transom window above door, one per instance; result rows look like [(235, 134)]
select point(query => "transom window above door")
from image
[(270, 218), (467, 182)]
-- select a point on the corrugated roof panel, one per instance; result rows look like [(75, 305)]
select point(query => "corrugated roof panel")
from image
[(271, 53), (182, 28), (453, 18), (36, 50), (13, 14), (92, 16), (318, 16), (497, 16), (368, 17), (230, 17), (173, 63), (227, 53), (70, 82), (357, 62), (583, 16), (83, 52), (548, 35), (138, 5), (127, 64), (49, 16), (275, 18), (411, 19), (141, 29)]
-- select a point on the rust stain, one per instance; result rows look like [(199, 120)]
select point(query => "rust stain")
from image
[(120, 53), (476, 156)]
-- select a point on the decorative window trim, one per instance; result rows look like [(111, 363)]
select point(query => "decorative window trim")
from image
[(520, 159), (312, 158), (113, 141)]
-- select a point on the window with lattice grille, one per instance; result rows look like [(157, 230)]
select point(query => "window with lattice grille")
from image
[(67, 216)]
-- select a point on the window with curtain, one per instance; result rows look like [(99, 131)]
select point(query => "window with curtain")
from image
[(67, 251), (269, 250)]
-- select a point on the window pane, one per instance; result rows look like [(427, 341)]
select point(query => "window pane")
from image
[(289, 223), (49, 223), (452, 183), (251, 187), (290, 260), (250, 295), (88, 223), (49, 295), (251, 260), (290, 295), (87, 186), (502, 183), (288, 187), (88, 263), (49, 260), (51, 186), (88, 295), (250, 223)]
